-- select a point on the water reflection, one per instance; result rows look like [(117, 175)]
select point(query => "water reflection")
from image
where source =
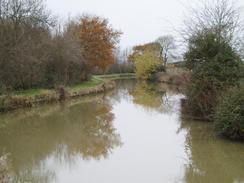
[(65, 131), (212, 159), (80, 141), (155, 97)]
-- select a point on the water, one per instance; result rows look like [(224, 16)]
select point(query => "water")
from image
[(134, 134)]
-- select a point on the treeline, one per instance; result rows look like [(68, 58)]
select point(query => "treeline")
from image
[(35, 51), (121, 64)]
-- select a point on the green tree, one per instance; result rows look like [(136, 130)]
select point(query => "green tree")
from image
[(215, 67), (212, 57)]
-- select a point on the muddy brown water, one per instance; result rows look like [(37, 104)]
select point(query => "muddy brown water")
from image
[(133, 134)]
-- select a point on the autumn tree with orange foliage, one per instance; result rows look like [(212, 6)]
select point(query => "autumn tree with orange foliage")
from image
[(98, 40)]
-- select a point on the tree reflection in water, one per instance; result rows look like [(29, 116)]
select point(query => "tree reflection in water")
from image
[(40, 141), (79, 129), (154, 97), (211, 158)]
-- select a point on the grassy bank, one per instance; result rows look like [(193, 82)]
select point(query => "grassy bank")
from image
[(35, 97), (95, 81)]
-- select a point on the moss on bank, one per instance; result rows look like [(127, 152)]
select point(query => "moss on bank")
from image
[(35, 97)]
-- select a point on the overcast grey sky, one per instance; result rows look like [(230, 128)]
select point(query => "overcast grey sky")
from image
[(141, 21)]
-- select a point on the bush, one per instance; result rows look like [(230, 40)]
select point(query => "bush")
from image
[(215, 67), (229, 117)]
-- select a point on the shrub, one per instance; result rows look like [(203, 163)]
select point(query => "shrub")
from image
[(229, 117), (215, 67)]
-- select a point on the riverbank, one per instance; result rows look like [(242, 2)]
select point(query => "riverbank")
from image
[(174, 76), (34, 97)]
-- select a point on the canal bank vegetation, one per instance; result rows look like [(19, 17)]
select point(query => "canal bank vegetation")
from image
[(35, 97), (38, 52), (42, 61), (151, 63), (229, 114), (214, 92)]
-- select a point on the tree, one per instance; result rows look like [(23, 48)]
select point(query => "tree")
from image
[(168, 46), (24, 40), (241, 50), (141, 49), (121, 64), (147, 60), (211, 56), (220, 15), (66, 64), (147, 64), (98, 40), (35, 52)]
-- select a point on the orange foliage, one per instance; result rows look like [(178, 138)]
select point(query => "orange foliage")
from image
[(98, 41)]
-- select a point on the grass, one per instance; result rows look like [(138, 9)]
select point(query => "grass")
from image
[(31, 92), (34, 97), (93, 82)]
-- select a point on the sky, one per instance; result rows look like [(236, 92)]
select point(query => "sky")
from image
[(141, 21)]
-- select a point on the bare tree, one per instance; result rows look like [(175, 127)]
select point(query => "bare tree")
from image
[(241, 48), (221, 16), (25, 11), (24, 37), (168, 47)]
